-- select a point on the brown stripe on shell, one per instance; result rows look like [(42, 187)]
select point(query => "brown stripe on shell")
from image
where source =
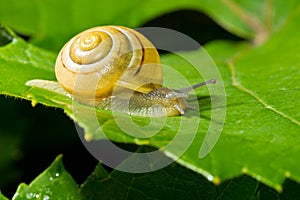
[(143, 53)]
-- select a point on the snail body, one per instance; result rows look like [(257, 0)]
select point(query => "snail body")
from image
[(117, 68)]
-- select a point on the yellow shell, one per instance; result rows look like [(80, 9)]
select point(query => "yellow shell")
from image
[(93, 62)]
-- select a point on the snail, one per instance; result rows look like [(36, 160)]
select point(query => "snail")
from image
[(117, 68)]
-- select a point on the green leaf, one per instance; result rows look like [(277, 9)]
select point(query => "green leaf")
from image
[(23, 62), (255, 20), (172, 182), (54, 183), (249, 19), (260, 137), (2, 197), (51, 31), (262, 123)]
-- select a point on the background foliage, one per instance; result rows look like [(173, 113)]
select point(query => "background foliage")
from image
[(260, 74)]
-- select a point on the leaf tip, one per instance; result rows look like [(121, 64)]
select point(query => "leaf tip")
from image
[(216, 180), (245, 170), (34, 102), (141, 142), (88, 136), (287, 174), (278, 188)]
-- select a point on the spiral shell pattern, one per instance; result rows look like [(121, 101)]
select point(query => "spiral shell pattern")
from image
[(92, 63)]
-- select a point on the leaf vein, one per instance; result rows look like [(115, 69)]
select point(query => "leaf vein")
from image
[(236, 84), (261, 31)]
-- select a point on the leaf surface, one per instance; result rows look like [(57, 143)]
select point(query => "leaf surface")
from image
[(54, 183)]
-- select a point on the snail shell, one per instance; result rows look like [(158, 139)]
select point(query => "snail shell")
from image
[(92, 63), (97, 61)]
